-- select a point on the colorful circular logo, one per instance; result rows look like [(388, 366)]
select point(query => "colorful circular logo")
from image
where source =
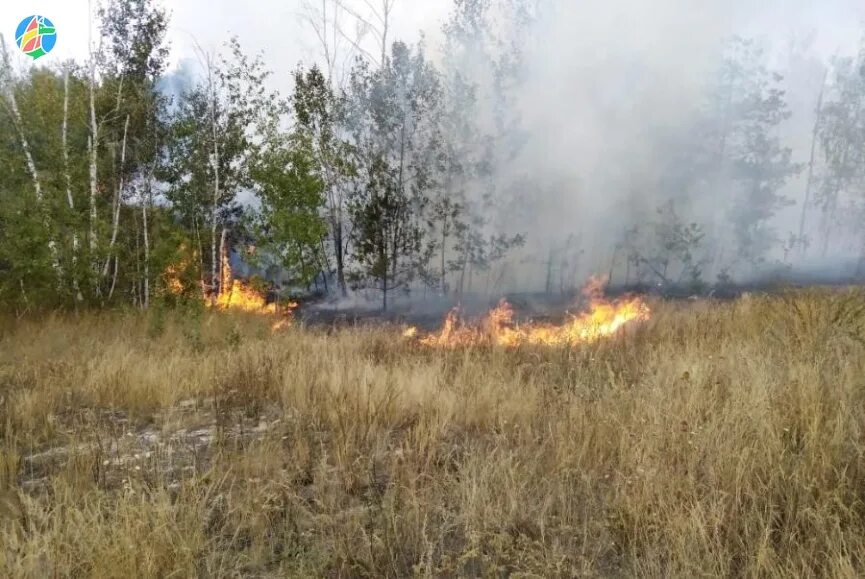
[(36, 36)]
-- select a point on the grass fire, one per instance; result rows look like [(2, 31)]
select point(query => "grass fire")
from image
[(603, 319)]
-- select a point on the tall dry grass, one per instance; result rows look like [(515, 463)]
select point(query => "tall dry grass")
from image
[(718, 439)]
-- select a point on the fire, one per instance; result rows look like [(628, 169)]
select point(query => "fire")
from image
[(240, 296), (280, 324), (602, 319), (234, 294)]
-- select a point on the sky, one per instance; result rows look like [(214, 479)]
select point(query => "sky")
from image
[(272, 26), (277, 28)]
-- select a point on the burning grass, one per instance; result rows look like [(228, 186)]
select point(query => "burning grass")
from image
[(714, 439), (604, 318)]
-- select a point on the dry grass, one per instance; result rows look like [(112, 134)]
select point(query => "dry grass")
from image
[(719, 439)]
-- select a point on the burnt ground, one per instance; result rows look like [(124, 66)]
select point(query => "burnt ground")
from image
[(428, 312)]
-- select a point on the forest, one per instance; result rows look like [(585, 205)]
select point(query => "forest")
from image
[(398, 169)]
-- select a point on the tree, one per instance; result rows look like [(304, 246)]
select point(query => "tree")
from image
[(392, 126), (672, 254), (291, 193), (481, 130), (386, 241), (10, 101), (212, 147), (842, 143), (130, 110), (748, 106), (320, 119)]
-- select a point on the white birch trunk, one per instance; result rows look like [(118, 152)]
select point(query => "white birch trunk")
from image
[(28, 156), (214, 279), (118, 199), (93, 148), (113, 280), (145, 202), (69, 199)]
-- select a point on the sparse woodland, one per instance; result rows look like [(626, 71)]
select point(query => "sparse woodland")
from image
[(383, 170)]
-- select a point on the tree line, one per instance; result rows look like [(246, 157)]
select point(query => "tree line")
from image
[(734, 150), (381, 171), (118, 191)]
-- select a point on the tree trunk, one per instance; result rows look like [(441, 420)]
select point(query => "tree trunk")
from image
[(214, 279), (145, 300), (340, 258), (548, 288), (326, 265), (464, 265), (224, 267), (118, 199), (114, 279), (828, 220), (809, 183), (612, 266), (138, 284), (384, 291), (31, 165), (69, 199), (444, 272), (201, 269), (93, 146)]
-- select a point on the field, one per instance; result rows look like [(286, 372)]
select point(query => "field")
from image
[(715, 439)]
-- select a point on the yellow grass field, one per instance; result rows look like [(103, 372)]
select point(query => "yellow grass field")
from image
[(716, 439)]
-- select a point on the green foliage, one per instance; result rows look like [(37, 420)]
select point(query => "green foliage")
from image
[(291, 193), (132, 194)]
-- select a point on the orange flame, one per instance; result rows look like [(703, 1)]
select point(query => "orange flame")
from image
[(234, 294), (604, 318)]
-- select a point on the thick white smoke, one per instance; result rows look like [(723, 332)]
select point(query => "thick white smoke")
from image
[(608, 102)]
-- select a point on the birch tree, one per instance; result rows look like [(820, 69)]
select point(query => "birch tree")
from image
[(212, 145), (7, 81)]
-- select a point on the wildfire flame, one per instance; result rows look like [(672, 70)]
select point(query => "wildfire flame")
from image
[(234, 294), (603, 318), (238, 295)]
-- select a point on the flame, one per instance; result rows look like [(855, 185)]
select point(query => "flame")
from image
[(240, 296), (171, 277), (602, 319), (234, 294)]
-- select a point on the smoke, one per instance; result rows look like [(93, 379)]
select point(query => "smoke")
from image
[(609, 106), (604, 124)]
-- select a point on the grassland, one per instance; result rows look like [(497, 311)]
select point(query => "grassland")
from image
[(717, 439)]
